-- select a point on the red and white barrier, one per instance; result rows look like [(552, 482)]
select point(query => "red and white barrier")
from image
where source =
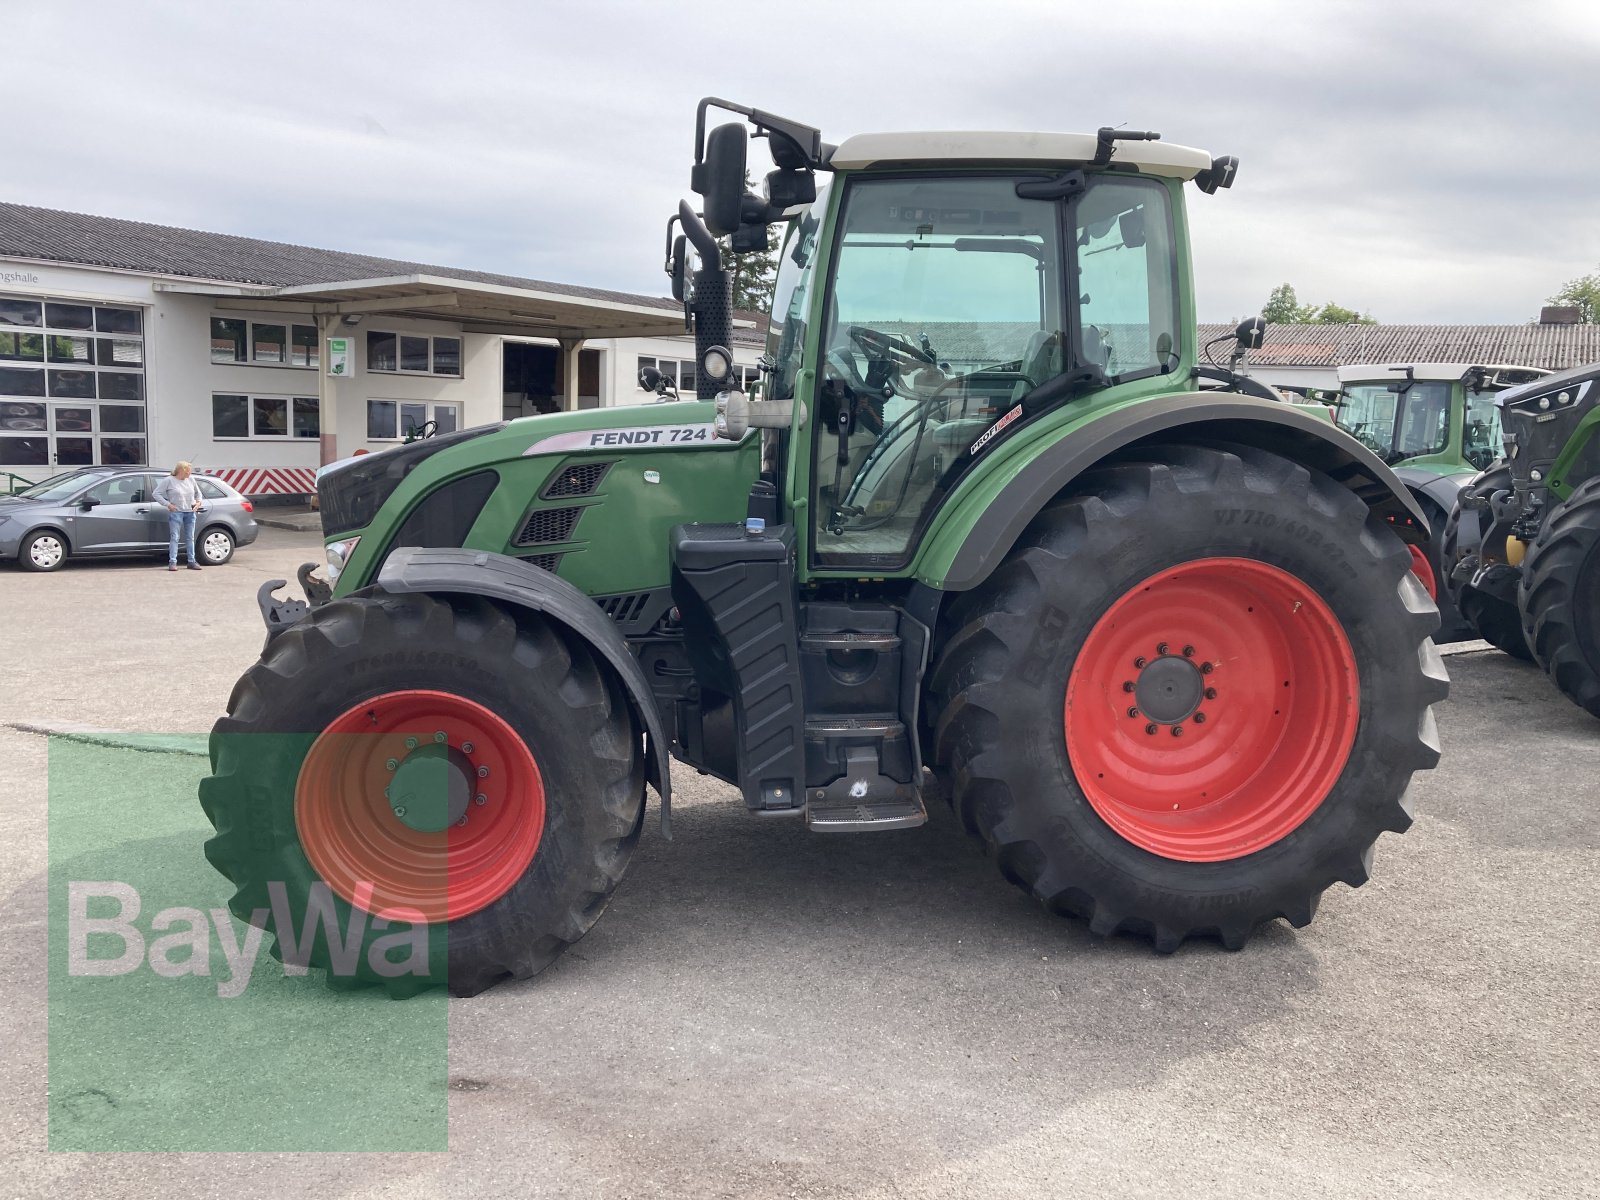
[(267, 481)]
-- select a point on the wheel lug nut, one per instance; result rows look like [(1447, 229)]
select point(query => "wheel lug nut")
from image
[(1199, 718), (1188, 651), (1139, 662), (411, 743), (1205, 668), (440, 736), (466, 747), (400, 810), (1211, 693), (1177, 731), (483, 772), (392, 763), (1150, 728), (1127, 685), (1161, 647), (480, 798), (1133, 712), (463, 821)]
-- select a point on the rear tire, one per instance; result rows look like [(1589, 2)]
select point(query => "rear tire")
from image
[(215, 545), (282, 797), (1496, 622), (1560, 597), (1017, 646)]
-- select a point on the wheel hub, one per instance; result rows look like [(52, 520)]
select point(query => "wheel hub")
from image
[(1169, 689), (432, 788)]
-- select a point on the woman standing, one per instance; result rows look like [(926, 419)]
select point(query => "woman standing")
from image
[(181, 494)]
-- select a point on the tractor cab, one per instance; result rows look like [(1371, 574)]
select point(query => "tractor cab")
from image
[(1439, 417)]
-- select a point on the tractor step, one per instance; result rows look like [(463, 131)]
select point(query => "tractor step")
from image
[(896, 812), (862, 799)]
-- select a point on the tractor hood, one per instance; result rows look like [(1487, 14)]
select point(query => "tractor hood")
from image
[(636, 427)]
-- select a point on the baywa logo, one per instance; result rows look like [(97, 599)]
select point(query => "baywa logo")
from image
[(183, 947)]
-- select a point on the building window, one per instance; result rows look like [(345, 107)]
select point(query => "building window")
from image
[(413, 354), (59, 360), (267, 343), (306, 351), (228, 338), (235, 415), (392, 420)]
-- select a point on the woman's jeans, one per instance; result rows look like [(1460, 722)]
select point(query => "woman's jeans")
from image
[(175, 520)]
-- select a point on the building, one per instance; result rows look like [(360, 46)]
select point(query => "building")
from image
[(124, 342), (1311, 355)]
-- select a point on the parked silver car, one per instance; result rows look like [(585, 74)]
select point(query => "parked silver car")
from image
[(108, 510)]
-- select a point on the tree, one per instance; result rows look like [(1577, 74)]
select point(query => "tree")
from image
[(1582, 293), (1283, 307)]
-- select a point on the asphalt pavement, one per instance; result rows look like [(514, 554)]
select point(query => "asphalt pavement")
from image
[(763, 1012)]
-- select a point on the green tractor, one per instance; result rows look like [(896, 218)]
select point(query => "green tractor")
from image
[(1437, 425), (1162, 648), (1524, 539)]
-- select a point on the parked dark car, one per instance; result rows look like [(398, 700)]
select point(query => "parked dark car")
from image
[(108, 510)]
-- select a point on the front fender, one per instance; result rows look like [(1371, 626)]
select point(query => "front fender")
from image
[(976, 531), (511, 581)]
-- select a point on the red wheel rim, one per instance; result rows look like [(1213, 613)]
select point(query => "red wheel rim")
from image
[(1211, 709), (379, 795), (1423, 570)]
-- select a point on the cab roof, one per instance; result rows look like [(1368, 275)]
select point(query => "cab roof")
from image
[(966, 146), (1449, 372)]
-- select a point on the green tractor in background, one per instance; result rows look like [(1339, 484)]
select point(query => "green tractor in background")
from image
[(1524, 540), (1162, 647), (1437, 425)]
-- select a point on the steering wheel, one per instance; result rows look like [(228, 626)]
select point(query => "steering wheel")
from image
[(874, 343)]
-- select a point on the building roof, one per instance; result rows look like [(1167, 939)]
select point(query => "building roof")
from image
[(68, 237), (1552, 347), (1157, 158)]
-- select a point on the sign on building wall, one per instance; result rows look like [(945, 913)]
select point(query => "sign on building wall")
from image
[(340, 365)]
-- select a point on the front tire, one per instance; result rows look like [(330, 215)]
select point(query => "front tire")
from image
[(1323, 677), (43, 551), (1560, 597), (477, 768)]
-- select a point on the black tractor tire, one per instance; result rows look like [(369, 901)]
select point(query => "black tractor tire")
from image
[(1002, 679), (1560, 596), (1452, 625), (534, 675)]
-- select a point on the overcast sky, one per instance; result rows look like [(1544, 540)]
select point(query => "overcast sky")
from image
[(1417, 161)]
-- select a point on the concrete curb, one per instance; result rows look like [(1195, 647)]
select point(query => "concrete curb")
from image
[(299, 522)]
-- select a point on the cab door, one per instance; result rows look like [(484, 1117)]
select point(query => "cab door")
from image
[(118, 515)]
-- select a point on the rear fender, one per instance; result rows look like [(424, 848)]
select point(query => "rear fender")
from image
[(1192, 417), (515, 583)]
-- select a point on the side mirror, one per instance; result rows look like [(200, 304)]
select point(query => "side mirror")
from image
[(785, 189), (86, 503), (720, 178), (649, 379), (751, 239), (680, 256), (1131, 226), (1251, 333)]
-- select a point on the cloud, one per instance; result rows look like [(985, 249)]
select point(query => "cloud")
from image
[(1418, 161)]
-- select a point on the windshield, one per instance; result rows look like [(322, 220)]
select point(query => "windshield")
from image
[(1481, 443), (59, 487), (1397, 425), (786, 333), (951, 299)]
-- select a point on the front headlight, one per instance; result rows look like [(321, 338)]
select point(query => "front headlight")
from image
[(338, 554)]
